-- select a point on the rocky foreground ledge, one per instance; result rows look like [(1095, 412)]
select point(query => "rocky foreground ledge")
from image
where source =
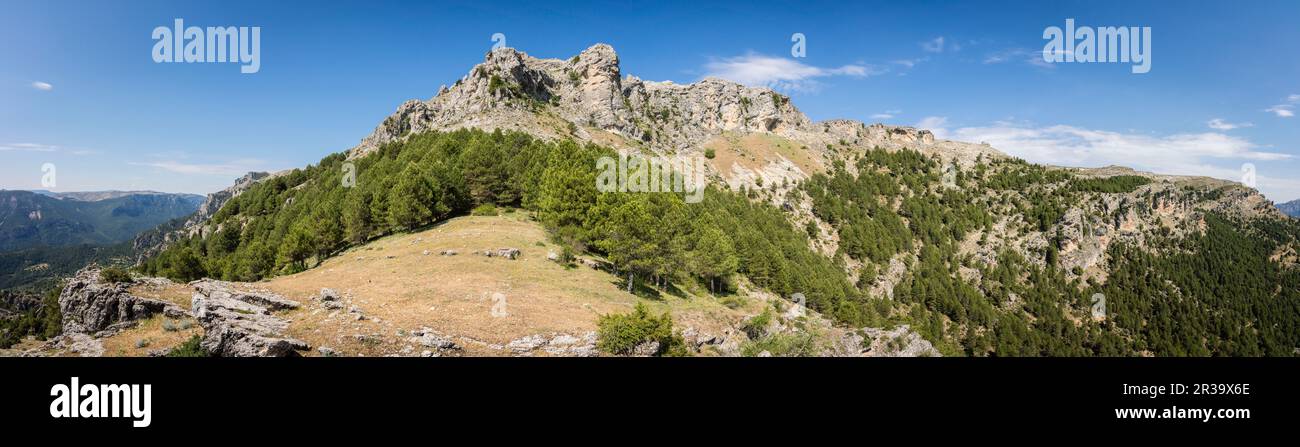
[(239, 323), (235, 322), (242, 320), (92, 307)]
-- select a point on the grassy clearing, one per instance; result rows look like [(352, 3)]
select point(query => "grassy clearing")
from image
[(392, 279)]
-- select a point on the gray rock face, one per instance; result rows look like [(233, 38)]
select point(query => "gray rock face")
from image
[(591, 92), (237, 324), (89, 306), (898, 342)]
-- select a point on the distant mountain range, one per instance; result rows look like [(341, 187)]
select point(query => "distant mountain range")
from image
[(47, 235), (30, 219), (1291, 208), (95, 196)]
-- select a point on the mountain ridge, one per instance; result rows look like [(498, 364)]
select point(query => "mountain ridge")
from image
[(590, 92), (979, 252)]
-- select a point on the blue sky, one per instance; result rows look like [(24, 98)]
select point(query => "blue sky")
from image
[(79, 89)]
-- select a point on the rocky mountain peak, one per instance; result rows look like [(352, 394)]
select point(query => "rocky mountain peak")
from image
[(588, 95)]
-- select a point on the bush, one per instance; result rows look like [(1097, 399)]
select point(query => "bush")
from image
[(43, 322), (709, 153), (191, 348), (756, 327), (621, 334), (486, 209), (114, 275), (782, 345)]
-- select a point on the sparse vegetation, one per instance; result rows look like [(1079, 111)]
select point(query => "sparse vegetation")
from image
[(114, 275), (43, 321), (621, 334), (190, 348)]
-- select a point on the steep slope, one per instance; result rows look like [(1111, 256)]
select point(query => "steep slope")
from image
[(150, 242)]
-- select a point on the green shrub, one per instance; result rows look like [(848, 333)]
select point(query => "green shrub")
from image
[(620, 334), (191, 348), (756, 327), (114, 275), (710, 153), (800, 344), (486, 209)]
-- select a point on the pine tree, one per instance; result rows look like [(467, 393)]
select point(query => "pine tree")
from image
[(411, 201), (714, 256)]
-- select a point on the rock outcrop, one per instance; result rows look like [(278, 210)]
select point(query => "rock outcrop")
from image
[(90, 306), (239, 323), (588, 95)]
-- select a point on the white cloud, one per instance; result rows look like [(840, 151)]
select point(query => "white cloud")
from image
[(42, 86), (935, 124), (1282, 110), (910, 63), (1285, 110), (779, 72), (28, 147), (934, 45), (886, 114), (1219, 124), (1031, 57), (235, 167), (1207, 154)]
